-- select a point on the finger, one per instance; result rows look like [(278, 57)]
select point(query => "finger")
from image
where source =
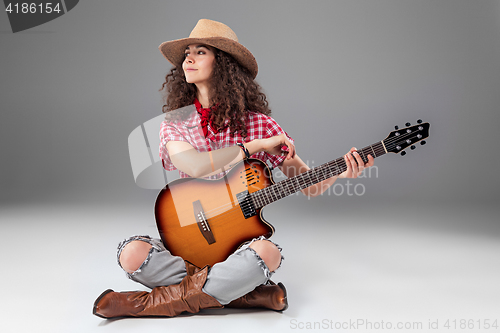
[(371, 161), (355, 164), (361, 164), (287, 144), (292, 149), (285, 152), (359, 160), (351, 166), (290, 152)]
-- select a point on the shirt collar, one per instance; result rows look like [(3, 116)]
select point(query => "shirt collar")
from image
[(200, 110), (199, 107)]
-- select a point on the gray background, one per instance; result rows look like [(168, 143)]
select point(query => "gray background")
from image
[(337, 74)]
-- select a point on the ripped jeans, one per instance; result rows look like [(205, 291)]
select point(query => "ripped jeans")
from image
[(238, 275)]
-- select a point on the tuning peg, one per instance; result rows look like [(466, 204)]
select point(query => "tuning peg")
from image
[(413, 147), (419, 121), (396, 127), (403, 153), (423, 142), (408, 124)]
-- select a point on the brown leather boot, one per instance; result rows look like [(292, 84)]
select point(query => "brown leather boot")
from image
[(168, 301), (264, 296)]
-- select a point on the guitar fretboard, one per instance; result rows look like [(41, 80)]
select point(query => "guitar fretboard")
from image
[(313, 176)]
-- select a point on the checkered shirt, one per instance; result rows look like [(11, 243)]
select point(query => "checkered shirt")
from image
[(259, 126)]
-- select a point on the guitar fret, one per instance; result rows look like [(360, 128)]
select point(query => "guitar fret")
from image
[(338, 169), (291, 189), (343, 166), (297, 185), (320, 174), (300, 180), (278, 185), (297, 179), (363, 158), (303, 180), (323, 172), (284, 190), (316, 176)]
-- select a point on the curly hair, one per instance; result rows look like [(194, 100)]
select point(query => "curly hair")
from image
[(233, 92)]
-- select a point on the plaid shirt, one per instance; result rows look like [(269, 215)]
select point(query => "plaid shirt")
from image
[(259, 126)]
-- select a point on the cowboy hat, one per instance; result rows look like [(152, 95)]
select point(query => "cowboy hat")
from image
[(214, 34)]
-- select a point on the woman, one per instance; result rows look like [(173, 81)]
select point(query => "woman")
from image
[(231, 122)]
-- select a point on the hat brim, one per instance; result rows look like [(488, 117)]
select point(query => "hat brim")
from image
[(173, 51)]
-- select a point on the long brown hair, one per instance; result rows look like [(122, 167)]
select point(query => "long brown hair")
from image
[(232, 90)]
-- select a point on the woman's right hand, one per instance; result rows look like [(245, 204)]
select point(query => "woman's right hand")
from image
[(273, 145)]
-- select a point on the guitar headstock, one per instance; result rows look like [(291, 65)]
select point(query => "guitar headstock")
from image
[(400, 139)]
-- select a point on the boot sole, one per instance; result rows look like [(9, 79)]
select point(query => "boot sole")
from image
[(94, 310)]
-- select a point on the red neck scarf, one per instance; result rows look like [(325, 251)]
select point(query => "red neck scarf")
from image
[(204, 115)]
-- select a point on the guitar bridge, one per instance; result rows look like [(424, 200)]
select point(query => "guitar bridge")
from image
[(246, 204), (202, 222)]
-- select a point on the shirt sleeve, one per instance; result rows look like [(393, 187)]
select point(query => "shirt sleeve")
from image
[(273, 129), (168, 132)]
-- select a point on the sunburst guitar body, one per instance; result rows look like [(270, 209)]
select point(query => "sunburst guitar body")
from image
[(204, 221)]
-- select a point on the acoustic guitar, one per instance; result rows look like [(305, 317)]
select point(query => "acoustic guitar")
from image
[(204, 221)]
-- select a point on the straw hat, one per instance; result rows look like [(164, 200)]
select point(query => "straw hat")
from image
[(211, 33)]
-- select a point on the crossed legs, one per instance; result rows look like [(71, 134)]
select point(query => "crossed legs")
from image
[(136, 252), (146, 261)]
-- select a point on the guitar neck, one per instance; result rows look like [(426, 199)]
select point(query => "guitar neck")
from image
[(313, 176)]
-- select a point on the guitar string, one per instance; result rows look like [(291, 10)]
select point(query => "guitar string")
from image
[(379, 150), (225, 217), (294, 189), (321, 169), (301, 183)]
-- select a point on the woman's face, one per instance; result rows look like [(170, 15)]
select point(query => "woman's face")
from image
[(198, 64)]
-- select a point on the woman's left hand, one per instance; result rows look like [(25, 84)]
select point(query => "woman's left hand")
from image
[(355, 165), (273, 145)]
